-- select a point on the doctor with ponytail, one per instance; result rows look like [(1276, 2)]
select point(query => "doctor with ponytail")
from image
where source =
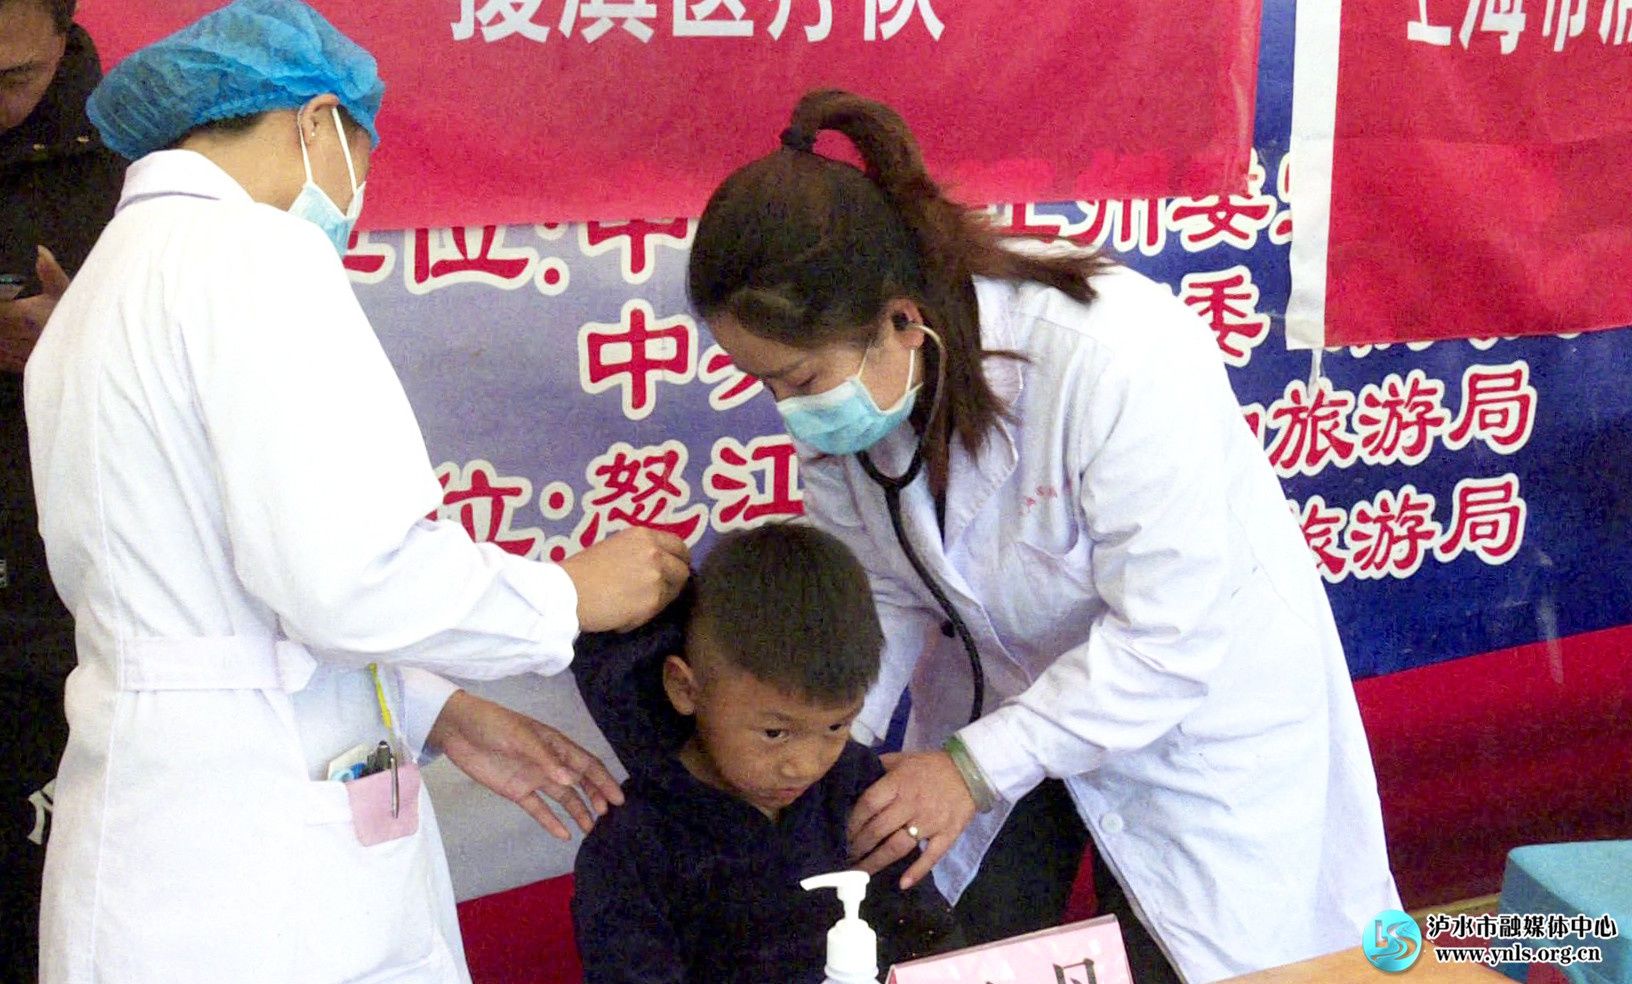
[(1090, 584)]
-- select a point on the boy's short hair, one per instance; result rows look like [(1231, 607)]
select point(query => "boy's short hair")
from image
[(791, 606)]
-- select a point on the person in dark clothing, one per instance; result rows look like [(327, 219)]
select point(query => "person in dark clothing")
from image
[(741, 775), (59, 183), (59, 186)]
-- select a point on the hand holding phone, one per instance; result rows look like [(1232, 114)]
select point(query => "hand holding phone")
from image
[(21, 320)]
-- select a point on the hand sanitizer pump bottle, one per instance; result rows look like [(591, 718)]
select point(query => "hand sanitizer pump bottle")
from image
[(852, 946)]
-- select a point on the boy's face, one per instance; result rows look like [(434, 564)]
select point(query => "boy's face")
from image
[(759, 743)]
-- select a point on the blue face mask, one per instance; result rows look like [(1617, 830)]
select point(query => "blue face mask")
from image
[(314, 204), (845, 419)]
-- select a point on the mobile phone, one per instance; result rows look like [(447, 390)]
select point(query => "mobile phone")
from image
[(10, 286)]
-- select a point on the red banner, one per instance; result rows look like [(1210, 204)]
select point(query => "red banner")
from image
[(1461, 169), (510, 111)]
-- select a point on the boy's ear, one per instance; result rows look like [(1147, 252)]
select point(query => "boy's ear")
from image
[(681, 684)]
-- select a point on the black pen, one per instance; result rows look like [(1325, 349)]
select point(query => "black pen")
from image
[(391, 760)]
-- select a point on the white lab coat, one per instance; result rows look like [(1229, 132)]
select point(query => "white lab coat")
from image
[(233, 492), (1151, 626)]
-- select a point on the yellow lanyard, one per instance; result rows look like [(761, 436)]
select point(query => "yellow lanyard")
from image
[(379, 695)]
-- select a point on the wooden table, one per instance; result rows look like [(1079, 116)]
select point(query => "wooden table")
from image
[(1351, 967)]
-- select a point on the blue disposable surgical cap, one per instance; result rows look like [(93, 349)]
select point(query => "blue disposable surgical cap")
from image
[(246, 58)]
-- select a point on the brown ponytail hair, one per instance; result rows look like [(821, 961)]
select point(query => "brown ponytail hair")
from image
[(805, 250)]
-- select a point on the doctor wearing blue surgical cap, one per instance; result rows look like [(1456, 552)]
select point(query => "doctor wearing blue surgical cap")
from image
[(233, 493)]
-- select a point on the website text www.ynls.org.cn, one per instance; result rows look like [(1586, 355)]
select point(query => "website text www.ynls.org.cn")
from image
[(1518, 953), (1529, 927)]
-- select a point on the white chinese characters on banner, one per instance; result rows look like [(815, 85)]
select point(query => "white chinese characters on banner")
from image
[(591, 20), (1562, 21), (813, 32)]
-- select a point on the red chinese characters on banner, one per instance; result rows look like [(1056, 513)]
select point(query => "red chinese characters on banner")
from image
[(1498, 408), (753, 482), (1144, 224), (635, 354), (366, 261), (1395, 532), (1321, 527), (1253, 414), (1398, 419), (1392, 534), (484, 503), (1311, 431), (1123, 225), (639, 487), (440, 258), (636, 241), (1217, 220), (1228, 301), (732, 386), (1487, 518)]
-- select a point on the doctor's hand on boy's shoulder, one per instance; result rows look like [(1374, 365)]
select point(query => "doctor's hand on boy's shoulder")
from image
[(627, 578), (21, 320), (519, 758), (921, 802)]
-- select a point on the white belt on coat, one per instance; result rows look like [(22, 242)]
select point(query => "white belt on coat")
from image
[(215, 663)]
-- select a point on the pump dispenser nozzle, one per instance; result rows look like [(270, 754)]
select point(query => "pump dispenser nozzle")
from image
[(852, 946)]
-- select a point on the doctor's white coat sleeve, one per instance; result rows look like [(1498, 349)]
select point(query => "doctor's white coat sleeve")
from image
[(906, 627), (1149, 426), (327, 485)]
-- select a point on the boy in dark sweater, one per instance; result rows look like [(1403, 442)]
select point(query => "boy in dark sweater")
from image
[(732, 714)]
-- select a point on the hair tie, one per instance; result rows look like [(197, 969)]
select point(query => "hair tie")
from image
[(795, 138)]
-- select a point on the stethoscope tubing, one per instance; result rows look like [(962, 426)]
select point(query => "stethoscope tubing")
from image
[(892, 487)]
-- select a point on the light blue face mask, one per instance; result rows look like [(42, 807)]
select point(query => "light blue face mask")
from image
[(846, 419), (314, 204)]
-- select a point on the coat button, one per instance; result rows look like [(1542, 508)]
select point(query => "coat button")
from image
[(1112, 823), (947, 629)]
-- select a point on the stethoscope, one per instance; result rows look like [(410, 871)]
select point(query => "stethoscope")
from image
[(892, 487)]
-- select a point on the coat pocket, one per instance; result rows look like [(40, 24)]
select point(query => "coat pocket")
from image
[(1043, 603), (369, 910)]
